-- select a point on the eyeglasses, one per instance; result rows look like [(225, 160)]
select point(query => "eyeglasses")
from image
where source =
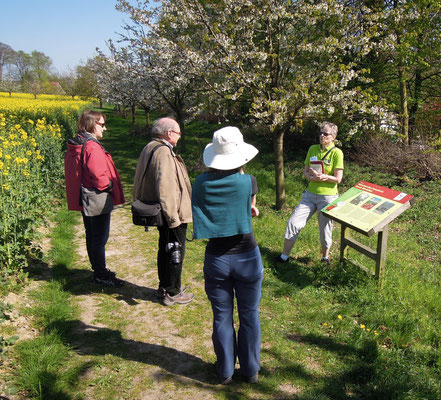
[(102, 124), (177, 133), (325, 133)]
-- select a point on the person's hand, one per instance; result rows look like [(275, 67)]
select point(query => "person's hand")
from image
[(254, 211)]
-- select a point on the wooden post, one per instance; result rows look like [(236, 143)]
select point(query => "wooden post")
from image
[(345, 233), (380, 260)]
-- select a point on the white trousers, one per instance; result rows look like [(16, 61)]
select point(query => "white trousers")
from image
[(309, 204)]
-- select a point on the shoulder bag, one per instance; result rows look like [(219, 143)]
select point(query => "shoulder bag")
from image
[(95, 202), (147, 213)]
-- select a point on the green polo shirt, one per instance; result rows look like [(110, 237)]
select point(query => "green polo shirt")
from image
[(334, 160)]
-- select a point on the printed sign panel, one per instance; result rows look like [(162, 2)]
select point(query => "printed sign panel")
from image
[(368, 207)]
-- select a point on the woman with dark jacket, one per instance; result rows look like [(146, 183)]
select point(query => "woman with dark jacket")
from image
[(223, 201), (93, 187)]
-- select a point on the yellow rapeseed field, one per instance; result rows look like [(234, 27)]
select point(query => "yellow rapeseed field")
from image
[(49, 106), (32, 133)]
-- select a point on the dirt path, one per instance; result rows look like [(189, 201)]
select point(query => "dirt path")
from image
[(155, 351)]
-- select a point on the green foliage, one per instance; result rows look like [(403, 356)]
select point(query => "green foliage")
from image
[(32, 135), (39, 369), (41, 372), (30, 176)]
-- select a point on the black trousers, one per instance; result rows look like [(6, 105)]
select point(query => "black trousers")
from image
[(169, 273), (97, 234)]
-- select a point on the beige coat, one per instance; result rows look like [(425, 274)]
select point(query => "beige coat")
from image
[(166, 181)]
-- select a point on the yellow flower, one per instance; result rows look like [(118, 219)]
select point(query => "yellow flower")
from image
[(325, 324), (339, 317), (29, 153), (362, 326), (5, 186)]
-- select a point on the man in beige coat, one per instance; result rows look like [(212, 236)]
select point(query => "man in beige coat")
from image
[(167, 182)]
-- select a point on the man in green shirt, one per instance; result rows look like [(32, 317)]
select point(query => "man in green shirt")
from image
[(324, 171)]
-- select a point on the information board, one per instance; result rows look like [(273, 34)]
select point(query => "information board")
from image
[(368, 207)]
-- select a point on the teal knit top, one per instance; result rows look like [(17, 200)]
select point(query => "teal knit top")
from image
[(221, 203)]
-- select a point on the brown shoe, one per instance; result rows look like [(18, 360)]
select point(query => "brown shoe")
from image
[(180, 298)]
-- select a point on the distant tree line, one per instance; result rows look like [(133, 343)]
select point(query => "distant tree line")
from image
[(33, 73)]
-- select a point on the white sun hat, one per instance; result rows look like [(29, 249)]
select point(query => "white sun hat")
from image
[(228, 150)]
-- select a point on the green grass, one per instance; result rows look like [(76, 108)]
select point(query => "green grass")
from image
[(327, 332)]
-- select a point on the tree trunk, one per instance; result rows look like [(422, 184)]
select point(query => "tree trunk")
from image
[(133, 110), (147, 117), (404, 113), (415, 104), (279, 169), (180, 121), (101, 102)]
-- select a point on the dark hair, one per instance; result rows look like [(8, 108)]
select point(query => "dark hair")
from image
[(88, 120)]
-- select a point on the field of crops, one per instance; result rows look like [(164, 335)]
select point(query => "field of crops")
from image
[(32, 134)]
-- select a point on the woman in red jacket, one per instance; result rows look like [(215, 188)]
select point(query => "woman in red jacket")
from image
[(89, 168)]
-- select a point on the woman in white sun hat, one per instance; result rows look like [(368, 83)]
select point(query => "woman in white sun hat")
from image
[(223, 202)]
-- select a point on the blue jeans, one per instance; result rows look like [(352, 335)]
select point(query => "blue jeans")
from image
[(225, 276), (97, 234)]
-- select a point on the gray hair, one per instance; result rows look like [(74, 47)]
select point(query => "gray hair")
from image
[(162, 126), (330, 125)]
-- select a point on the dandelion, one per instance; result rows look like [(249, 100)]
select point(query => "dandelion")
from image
[(325, 324), (339, 317), (363, 326), (375, 333), (5, 186), (29, 153)]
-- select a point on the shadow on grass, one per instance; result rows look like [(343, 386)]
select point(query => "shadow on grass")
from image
[(304, 271), (292, 272), (80, 282), (366, 375), (98, 341)]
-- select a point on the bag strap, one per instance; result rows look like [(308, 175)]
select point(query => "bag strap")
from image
[(83, 146), (332, 148), (150, 159)]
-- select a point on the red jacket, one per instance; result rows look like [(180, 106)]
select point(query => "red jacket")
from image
[(97, 172)]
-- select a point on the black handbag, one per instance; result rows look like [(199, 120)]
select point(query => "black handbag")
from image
[(147, 213)]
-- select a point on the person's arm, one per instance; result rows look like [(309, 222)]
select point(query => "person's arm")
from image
[(167, 185), (313, 176), (254, 209)]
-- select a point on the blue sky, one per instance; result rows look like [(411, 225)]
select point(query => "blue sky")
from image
[(68, 31)]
